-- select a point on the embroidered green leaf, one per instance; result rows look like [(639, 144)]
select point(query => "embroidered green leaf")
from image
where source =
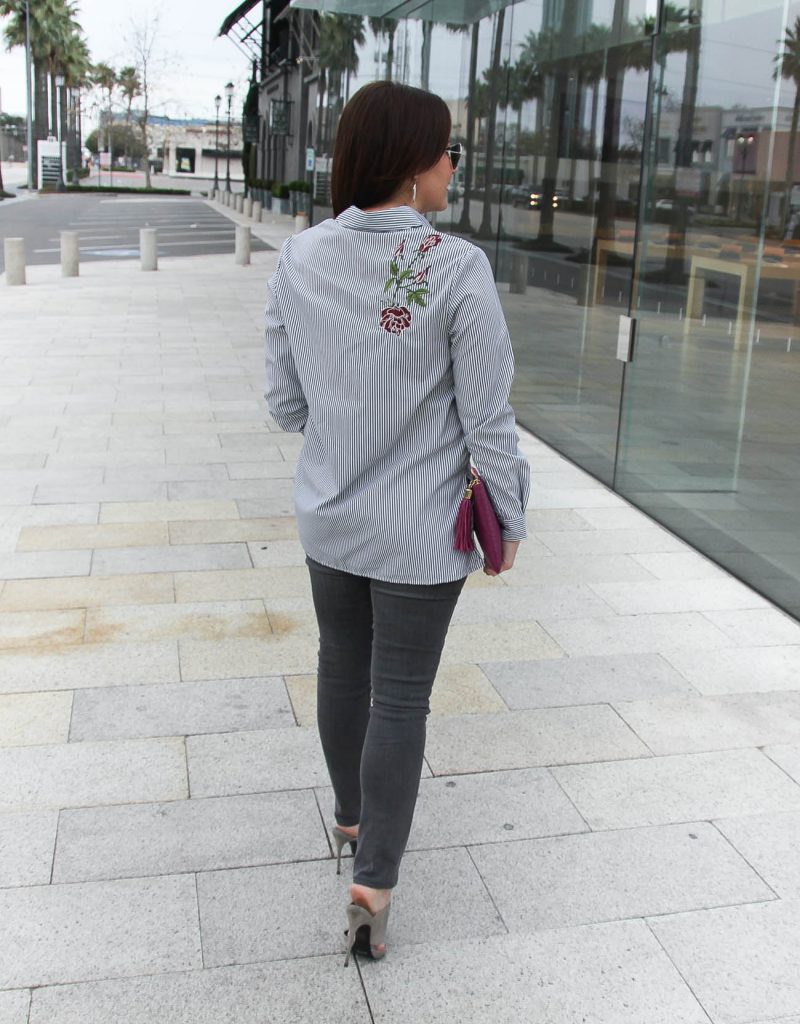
[(416, 298), (389, 285), (405, 275), (394, 268)]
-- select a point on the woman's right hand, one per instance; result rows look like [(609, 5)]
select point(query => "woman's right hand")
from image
[(509, 554)]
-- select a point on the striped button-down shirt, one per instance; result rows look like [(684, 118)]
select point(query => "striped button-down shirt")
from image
[(387, 348)]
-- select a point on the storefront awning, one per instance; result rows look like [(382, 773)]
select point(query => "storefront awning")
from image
[(244, 31), (461, 12)]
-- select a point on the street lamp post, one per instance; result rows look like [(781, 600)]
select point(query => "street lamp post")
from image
[(217, 101), (229, 95), (31, 154), (59, 99), (744, 142), (75, 92)]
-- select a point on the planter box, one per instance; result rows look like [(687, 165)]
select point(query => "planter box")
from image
[(282, 206)]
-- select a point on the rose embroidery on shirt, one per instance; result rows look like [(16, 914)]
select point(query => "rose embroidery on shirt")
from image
[(411, 280)]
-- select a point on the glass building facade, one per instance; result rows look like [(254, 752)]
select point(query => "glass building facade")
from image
[(630, 171)]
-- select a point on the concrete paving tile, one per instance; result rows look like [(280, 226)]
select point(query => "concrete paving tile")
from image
[(555, 519), (27, 841), (490, 807), (75, 667), (292, 615), (565, 569), (277, 505), (764, 626), (787, 757), (683, 725), (64, 933), (528, 603), (741, 962), (50, 515), (21, 565), (740, 669), (461, 744), (111, 535), (205, 621), (88, 774), (631, 634), (624, 978), (27, 719), (87, 591), (679, 596), (224, 585), (610, 542), (179, 709), (14, 1006), (440, 895), (255, 762), (771, 844), (246, 995), (47, 494), (188, 835), (222, 531), (268, 553), (276, 655), (506, 641), (168, 473), (40, 630), (170, 558), (166, 511), (606, 876), (615, 519), (679, 565), (574, 498), (585, 680), (680, 787), (266, 470)]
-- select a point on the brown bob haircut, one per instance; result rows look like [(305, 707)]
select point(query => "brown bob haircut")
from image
[(387, 133)]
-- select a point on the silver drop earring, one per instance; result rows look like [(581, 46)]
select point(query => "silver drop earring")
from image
[(414, 192)]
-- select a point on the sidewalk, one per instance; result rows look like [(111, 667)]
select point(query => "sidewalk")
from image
[(608, 827)]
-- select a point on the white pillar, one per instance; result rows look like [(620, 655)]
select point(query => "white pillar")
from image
[(239, 202), (256, 211), (14, 253), (248, 207), (148, 248), (242, 244), (300, 223), (70, 254)]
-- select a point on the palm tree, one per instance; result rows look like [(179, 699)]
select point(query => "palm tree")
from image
[(788, 66), (493, 75), (385, 27), (130, 86), (464, 224), (340, 35), (53, 29), (105, 78)]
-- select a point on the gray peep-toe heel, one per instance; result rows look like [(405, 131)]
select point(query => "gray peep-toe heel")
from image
[(366, 931), (340, 838)]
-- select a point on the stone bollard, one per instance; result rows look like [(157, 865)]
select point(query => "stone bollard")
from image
[(256, 214), (14, 253), (248, 207), (148, 248), (242, 245), (519, 274), (70, 254), (239, 202), (300, 223)]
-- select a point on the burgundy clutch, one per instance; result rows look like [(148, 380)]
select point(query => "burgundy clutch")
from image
[(477, 513)]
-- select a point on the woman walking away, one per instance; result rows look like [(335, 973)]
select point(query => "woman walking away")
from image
[(387, 349)]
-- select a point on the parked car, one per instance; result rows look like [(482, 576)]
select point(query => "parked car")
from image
[(531, 196), (664, 208)]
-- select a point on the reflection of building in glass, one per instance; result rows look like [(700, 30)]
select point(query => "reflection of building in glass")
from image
[(608, 171)]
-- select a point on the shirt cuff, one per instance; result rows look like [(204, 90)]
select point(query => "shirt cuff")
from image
[(515, 529)]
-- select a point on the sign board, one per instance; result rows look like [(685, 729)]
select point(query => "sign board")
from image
[(251, 129), (688, 181), (309, 159), (50, 161), (279, 117)]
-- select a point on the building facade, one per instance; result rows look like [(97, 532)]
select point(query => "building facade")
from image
[(631, 172)]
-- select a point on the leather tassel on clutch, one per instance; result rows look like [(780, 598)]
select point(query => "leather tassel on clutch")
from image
[(465, 521)]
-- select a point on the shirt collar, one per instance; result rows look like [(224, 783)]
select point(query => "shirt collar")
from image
[(397, 218)]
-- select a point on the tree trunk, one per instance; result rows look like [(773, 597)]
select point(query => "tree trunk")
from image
[(519, 139), (464, 223), (425, 69), (485, 230), (789, 180), (53, 105), (39, 113), (675, 268), (390, 53), (609, 155), (593, 140), (321, 148)]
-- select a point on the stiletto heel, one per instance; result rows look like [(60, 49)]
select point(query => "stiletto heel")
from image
[(372, 928), (340, 838)]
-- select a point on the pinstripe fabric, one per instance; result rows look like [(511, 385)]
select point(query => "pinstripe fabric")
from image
[(389, 418)]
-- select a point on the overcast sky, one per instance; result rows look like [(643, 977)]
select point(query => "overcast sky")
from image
[(198, 63)]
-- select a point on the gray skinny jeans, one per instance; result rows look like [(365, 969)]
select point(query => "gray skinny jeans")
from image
[(381, 641)]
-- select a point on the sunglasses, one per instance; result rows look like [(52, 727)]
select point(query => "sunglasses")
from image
[(454, 152)]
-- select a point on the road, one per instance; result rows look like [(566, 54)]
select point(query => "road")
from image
[(109, 226)]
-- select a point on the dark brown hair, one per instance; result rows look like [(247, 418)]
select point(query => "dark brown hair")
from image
[(387, 133)]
